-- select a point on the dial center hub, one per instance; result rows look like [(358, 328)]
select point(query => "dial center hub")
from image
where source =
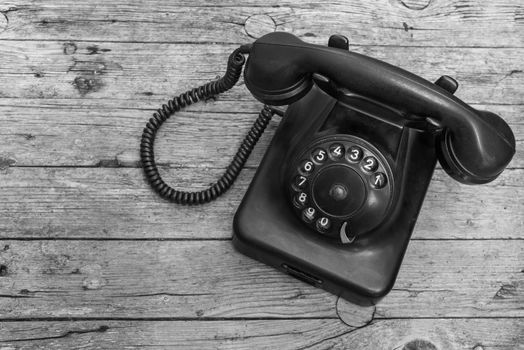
[(331, 190), (338, 192)]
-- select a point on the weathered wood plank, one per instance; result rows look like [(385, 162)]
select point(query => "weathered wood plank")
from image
[(91, 135), (118, 203), (433, 23), (450, 334), (188, 279), (140, 71)]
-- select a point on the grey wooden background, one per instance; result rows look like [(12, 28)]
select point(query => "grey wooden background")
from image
[(90, 258)]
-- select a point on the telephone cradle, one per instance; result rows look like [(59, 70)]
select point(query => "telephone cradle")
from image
[(339, 189)]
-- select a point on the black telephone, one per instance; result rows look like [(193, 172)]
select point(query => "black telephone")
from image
[(337, 194)]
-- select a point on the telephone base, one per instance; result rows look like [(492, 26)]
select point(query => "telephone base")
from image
[(266, 225)]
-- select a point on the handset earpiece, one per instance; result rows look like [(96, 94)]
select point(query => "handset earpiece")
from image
[(475, 146), (490, 138), (273, 76)]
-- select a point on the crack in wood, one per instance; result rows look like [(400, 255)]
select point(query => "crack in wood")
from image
[(245, 337), (100, 329), (309, 346), (416, 292), (31, 293), (15, 296), (117, 162), (10, 9), (26, 136), (95, 50), (160, 294), (353, 329)]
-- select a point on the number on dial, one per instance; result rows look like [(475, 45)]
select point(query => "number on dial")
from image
[(323, 224), (336, 150), (378, 180), (370, 164), (300, 181), (355, 154), (319, 155), (309, 214), (301, 199), (307, 166)]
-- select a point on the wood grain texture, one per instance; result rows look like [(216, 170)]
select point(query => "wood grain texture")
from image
[(117, 203), (79, 133), (145, 71), (449, 334), (208, 279), (384, 22)]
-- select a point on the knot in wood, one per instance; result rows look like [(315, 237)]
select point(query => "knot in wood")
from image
[(3, 22), (354, 315), (419, 344), (415, 4), (256, 26), (69, 48)]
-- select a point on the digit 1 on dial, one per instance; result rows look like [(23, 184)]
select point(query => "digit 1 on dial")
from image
[(378, 180)]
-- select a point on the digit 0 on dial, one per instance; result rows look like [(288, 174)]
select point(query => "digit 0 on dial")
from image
[(341, 184)]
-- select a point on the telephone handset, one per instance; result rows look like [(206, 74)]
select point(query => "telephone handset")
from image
[(337, 194)]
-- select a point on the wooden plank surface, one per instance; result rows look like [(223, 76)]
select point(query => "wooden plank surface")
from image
[(492, 333), (208, 135), (62, 202), (415, 23), (90, 258), (208, 279), (131, 71)]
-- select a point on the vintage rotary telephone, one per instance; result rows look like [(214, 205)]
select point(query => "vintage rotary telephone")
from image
[(336, 197)]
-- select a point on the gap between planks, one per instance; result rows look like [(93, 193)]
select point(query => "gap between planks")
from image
[(246, 41), (221, 319)]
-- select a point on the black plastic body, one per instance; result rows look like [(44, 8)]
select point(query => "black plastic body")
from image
[(267, 229)]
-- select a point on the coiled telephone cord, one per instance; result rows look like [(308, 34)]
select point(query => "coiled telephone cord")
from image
[(234, 69)]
